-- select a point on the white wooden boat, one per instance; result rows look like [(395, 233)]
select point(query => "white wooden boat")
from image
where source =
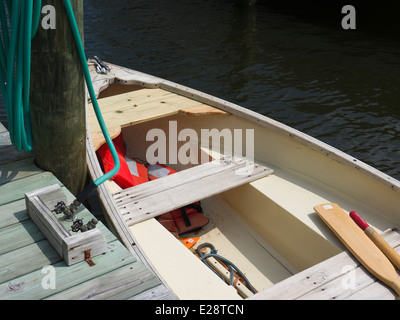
[(264, 221)]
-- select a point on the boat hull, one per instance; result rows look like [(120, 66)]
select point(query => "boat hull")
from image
[(268, 225)]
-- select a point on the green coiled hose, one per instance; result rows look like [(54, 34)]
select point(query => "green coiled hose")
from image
[(82, 57), (15, 64)]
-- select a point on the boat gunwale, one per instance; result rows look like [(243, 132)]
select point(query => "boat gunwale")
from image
[(133, 77)]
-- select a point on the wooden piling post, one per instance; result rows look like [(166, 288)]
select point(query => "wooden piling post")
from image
[(57, 97)]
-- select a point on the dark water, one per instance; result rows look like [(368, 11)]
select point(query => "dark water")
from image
[(294, 64)]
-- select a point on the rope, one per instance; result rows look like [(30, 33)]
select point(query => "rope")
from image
[(228, 263)]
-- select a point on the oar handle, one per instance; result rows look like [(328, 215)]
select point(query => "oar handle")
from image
[(389, 252)]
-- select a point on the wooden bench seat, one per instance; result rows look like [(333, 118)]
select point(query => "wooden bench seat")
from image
[(339, 277), (156, 197), (139, 106)]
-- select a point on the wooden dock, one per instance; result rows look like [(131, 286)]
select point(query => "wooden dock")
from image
[(31, 269)]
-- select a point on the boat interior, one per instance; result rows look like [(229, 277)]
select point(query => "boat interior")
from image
[(263, 222)]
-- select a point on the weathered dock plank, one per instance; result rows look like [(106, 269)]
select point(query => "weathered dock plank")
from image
[(118, 284), (19, 235), (27, 259), (13, 212), (2, 128), (26, 256), (18, 170), (9, 154), (16, 190), (30, 286), (5, 139), (160, 292)]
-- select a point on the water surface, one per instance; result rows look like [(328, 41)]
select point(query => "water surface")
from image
[(293, 64)]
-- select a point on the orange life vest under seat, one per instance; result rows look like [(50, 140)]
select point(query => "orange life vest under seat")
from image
[(131, 173), (185, 219)]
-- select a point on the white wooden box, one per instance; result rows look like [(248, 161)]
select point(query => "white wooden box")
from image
[(72, 247)]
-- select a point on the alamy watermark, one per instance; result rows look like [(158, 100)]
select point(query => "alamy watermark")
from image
[(349, 279), (49, 277), (349, 20), (208, 140), (49, 20)]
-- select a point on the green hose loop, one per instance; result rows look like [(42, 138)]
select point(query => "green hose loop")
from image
[(15, 64), (82, 57), (36, 17)]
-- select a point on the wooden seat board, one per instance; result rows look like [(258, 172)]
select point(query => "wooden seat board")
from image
[(138, 106), (151, 199), (325, 280), (182, 177), (357, 242)]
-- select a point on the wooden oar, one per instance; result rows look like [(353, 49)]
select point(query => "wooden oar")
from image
[(389, 252), (366, 252)]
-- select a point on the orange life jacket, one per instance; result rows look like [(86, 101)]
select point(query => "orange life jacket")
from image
[(158, 170), (133, 173), (185, 219)]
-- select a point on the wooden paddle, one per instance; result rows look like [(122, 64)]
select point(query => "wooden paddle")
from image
[(366, 252), (388, 251)]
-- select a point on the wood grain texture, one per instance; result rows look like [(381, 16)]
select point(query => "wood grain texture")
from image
[(389, 252), (15, 190), (117, 223), (333, 279), (119, 284), (57, 99), (138, 106), (71, 247), (30, 284), (359, 244), (156, 197), (25, 252)]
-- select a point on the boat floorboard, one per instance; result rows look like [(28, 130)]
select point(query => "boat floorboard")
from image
[(139, 106), (28, 261), (341, 277)]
